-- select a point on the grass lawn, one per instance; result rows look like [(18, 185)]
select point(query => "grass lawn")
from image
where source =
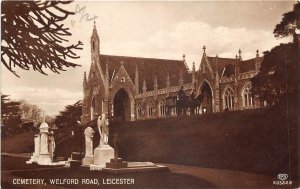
[(19, 143), (18, 163)]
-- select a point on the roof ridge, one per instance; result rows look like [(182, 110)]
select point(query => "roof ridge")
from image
[(140, 57)]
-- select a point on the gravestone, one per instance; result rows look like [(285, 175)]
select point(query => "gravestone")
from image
[(89, 155), (44, 147), (44, 156), (103, 153), (35, 156)]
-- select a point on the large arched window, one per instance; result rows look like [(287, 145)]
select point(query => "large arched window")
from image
[(139, 111), (247, 96), (228, 98), (150, 109), (162, 108)]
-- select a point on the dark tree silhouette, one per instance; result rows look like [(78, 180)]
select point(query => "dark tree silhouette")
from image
[(33, 36), (10, 115), (278, 79), (290, 21), (69, 116)]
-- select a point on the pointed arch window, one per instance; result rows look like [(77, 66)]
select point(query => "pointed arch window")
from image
[(139, 111), (93, 45), (247, 96), (228, 99), (150, 110), (162, 108)]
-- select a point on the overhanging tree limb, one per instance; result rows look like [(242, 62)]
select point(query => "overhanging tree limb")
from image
[(33, 37)]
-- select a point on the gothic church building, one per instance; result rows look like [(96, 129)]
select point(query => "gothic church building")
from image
[(134, 88)]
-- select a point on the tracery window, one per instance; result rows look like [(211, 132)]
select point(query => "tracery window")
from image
[(139, 111), (150, 109), (228, 98), (162, 108), (247, 96)]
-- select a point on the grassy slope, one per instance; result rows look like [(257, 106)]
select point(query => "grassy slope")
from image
[(19, 143), (254, 140)]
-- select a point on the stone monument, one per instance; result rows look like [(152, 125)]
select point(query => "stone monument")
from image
[(89, 155), (44, 147), (103, 153), (35, 156), (44, 156)]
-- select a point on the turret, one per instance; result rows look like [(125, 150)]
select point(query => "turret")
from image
[(237, 65), (168, 84), (257, 62), (155, 83), (144, 90), (194, 75), (84, 84), (95, 45), (240, 55)]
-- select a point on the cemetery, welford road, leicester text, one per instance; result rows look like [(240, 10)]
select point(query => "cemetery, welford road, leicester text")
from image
[(105, 181)]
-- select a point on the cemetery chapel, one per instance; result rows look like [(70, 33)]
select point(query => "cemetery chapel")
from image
[(134, 88)]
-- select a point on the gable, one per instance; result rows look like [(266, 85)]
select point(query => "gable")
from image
[(121, 76)]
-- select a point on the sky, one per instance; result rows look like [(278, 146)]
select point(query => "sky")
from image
[(157, 29)]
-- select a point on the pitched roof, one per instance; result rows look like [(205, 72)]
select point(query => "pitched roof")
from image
[(226, 65), (147, 69)]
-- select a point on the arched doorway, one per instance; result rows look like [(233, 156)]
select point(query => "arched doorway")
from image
[(205, 90), (122, 106)]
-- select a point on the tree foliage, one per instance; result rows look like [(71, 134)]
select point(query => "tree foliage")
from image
[(10, 117), (30, 113), (279, 74), (69, 116), (278, 79), (290, 21), (34, 37)]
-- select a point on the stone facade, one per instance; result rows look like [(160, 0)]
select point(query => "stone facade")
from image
[(133, 88)]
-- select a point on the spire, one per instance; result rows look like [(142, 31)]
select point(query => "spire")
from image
[(180, 78), (194, 74), (168, 81), (194, 68), (95, 45), (183, 59), (136, 82), (216, 62), (240, 54), (155, 83), (237, 66), (144, 86), (257, 62)]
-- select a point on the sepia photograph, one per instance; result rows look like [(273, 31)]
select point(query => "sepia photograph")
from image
[(150, 94)]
